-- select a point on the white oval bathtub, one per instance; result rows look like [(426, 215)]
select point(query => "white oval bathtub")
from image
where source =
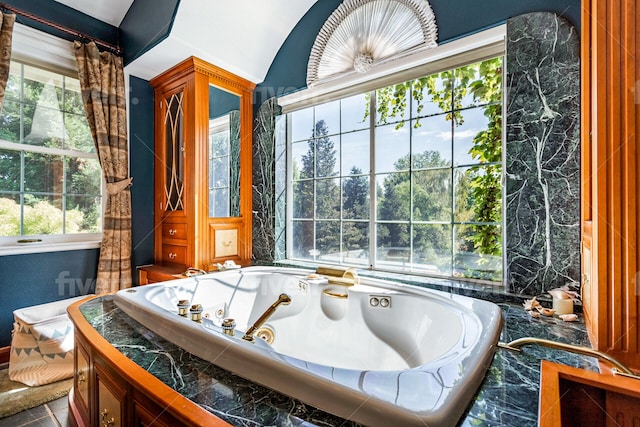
[(378, 352)]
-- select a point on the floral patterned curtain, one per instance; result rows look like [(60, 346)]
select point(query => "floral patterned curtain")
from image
[(103, 93), (6, 32)]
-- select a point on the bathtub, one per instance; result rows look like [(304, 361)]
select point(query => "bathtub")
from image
[(378, 352)]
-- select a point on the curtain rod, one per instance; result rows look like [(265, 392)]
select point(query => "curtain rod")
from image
[(67, 30)]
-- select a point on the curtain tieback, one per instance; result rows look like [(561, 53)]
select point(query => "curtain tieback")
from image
[(114, 188)]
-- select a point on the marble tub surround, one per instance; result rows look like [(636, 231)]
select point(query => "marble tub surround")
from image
[(508, 395), (481, 290), (542, 160), (510, 392), (375, 351), (226, 395)]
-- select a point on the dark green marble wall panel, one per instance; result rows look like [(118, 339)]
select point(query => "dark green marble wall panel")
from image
[(542, 160), (264, 182)]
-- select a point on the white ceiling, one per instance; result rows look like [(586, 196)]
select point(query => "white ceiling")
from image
[(109, 11), (242, 36)]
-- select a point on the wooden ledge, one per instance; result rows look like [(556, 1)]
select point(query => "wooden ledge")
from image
[(575, 397)]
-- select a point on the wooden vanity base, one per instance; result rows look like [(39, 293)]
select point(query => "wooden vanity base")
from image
[(110, 389)]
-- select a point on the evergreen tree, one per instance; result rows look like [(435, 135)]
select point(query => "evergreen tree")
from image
[(355, 206), (321, 202)]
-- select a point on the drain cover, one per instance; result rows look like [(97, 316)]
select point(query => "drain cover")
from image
[(266, 334)]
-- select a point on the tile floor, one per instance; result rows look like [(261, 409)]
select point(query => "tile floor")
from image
[(52, 414)]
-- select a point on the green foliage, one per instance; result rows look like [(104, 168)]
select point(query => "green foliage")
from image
[(43, 177), (480, 191), (421, 186), (40, 217), (429, 197), (9, 218)]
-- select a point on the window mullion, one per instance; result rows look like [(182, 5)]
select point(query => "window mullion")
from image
[(22, 152), (373, 232)]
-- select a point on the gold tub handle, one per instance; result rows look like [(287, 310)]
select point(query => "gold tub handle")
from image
[(334, 294)]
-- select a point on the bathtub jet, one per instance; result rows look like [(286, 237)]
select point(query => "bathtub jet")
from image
[(378, 352)]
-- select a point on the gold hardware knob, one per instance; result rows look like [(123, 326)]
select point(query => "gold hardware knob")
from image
[(106, 422), (228, 325), (196, 312), (172, 232), (81, 377), (172, 255)]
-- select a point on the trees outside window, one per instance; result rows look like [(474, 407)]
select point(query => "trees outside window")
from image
[(50, 177), (428, 152)]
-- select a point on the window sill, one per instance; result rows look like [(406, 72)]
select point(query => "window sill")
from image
[(490, 291), (48, 246)]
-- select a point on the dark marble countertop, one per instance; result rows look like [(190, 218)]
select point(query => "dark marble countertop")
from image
[(508, 395)]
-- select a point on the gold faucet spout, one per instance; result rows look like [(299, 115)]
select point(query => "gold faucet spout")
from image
[(283, 299)]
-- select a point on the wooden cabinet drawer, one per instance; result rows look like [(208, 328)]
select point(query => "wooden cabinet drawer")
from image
[(111, 400), (174, 231), (159, 273), (147, 413), (174, 254), (81, 381)]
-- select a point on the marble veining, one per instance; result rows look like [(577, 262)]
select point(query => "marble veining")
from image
[(234, 163), (264, 182), (508, 395), (542, 160)]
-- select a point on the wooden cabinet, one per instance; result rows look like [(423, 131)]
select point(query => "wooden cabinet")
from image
[(112, 398), (203, 197), (148, 274), (610, 161), (81, 382), (110, 390), (575, 397), (148, 414)]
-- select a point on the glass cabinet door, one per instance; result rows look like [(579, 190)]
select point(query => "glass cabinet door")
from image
[(174, 153)]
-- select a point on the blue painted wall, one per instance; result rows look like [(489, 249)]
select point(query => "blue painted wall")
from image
[(288, 72), (65, 16), (27, 280), (141, 159), (146, 24)]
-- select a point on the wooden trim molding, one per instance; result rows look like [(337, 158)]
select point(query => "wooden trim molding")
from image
[(4, 354), (611, 120), (573, 396)]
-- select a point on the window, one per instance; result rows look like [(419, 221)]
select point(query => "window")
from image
[(403, 178), (50, 176)]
